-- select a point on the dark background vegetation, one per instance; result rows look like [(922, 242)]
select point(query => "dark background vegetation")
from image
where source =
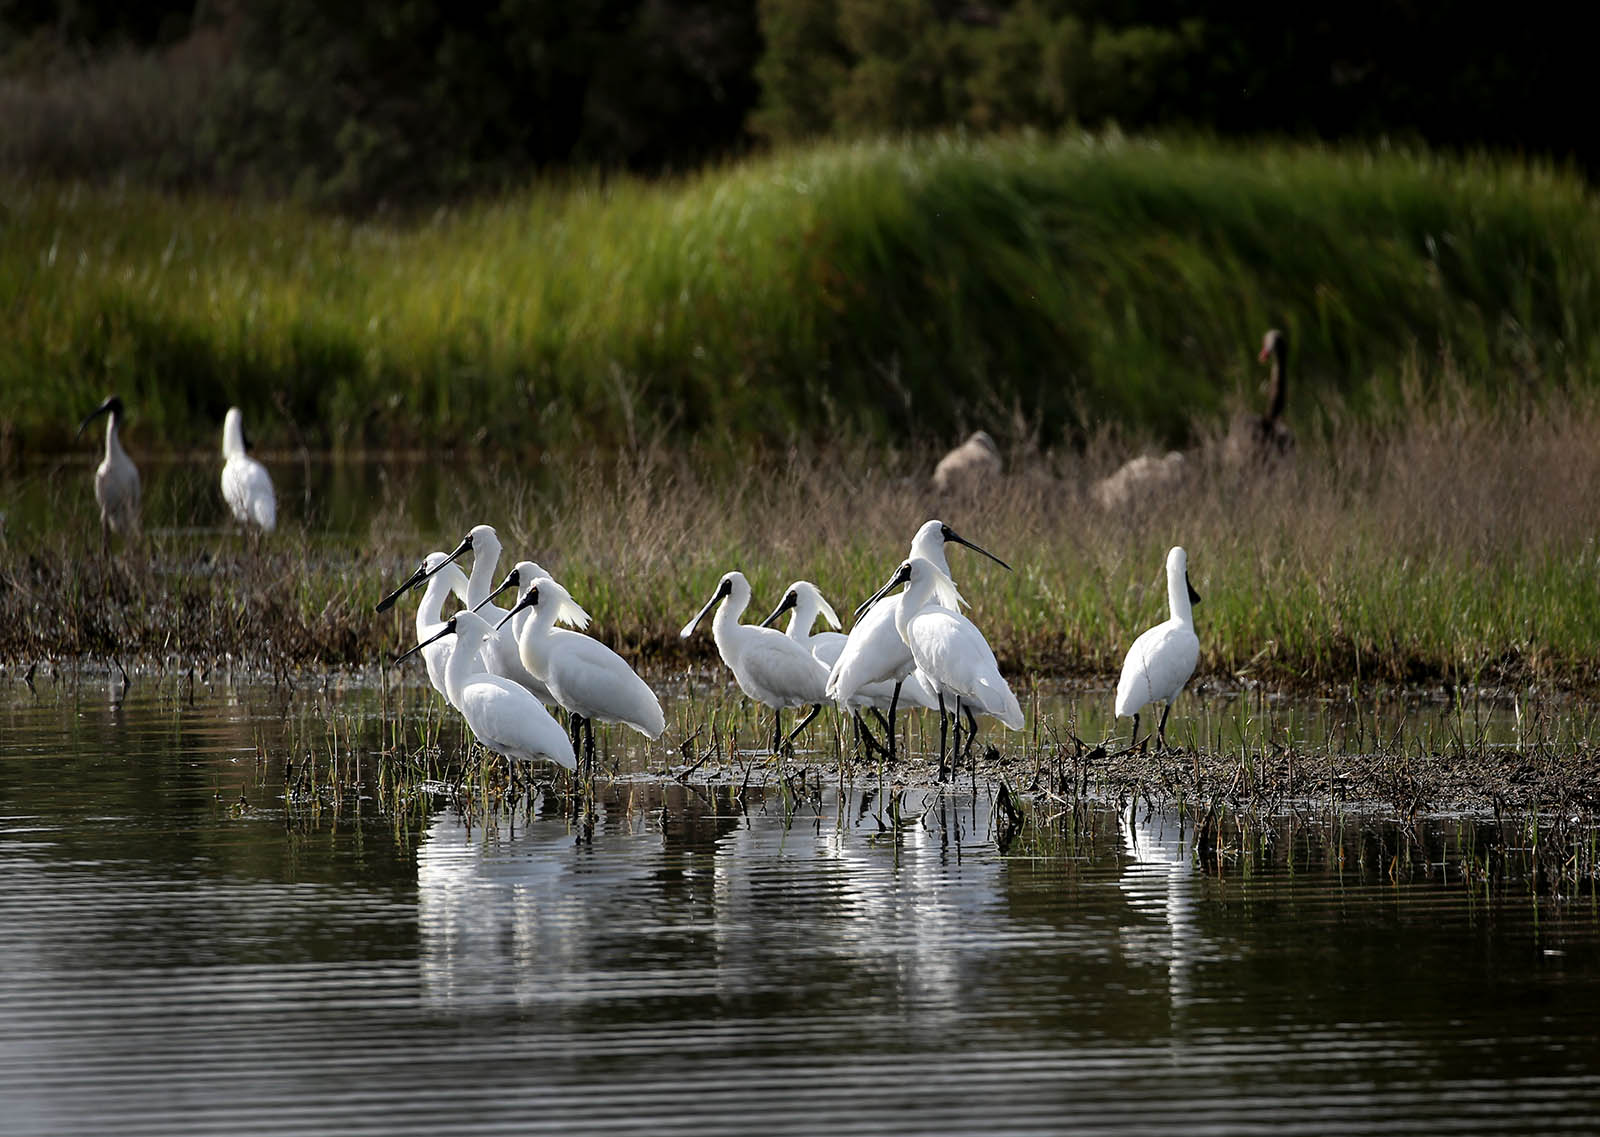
[(356, 105)]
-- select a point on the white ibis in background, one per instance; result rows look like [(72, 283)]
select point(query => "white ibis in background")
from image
[(246, 485), (116, 479)]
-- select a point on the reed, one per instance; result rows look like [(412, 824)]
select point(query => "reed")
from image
[(1441, 547)]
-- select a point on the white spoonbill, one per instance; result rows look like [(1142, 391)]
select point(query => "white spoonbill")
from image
[(586, 677), (116, 480), (246, 487), (500, 653), (1161, 660), (521, 575), (443, 578), (768, 666), (948, 648), (874, 651), (503, 716), (807, 602)]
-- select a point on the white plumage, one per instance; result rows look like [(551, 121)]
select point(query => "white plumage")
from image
[(948, 648), (585, 676), (246, 486), (430, 616), (502, 715), (769, 667), (116, 479), (442, 579), (874, 652), (806, 601), (949, 652), (1161, 660), (500, 656)]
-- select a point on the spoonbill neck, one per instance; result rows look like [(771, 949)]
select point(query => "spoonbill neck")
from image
[(232, 436), (464, 660), (918, 591), (1178, 594), (430, 613), (114, 449), (485, 557), (725, 621)]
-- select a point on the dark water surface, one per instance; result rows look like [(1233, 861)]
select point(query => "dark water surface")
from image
[(182, 951)]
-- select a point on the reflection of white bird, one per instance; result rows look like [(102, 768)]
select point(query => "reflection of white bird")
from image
[(1159, 879), (116, 480), (1161, 660), (768, 666), (502, 715), (585, 676), (874, 651), (246, 486), (443, 578), (947, 647)]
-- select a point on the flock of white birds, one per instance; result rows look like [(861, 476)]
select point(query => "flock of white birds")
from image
[(246, 486), (502, 668)]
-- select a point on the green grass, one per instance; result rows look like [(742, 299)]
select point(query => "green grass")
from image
[(1453, 545), (887, 289)]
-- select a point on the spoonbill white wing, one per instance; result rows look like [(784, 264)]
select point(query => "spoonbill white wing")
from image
[(508, 720), (1157, 666), (949, 649), (116, 488), (773, 669), (873, 653), (827, 647), (590, 679), (247, 488)]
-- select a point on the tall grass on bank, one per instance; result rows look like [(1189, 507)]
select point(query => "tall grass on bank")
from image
[(1454, 542), (892, 288)]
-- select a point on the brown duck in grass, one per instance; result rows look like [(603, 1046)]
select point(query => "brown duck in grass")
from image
[(1259, 439)]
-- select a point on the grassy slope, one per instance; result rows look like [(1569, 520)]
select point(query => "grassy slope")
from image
[(896, 287)]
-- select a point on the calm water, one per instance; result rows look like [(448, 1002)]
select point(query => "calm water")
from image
[(181, 951)]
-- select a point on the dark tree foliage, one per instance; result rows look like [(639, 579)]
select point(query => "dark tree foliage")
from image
[(89, 25), (416, 99), (1453, 75)]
